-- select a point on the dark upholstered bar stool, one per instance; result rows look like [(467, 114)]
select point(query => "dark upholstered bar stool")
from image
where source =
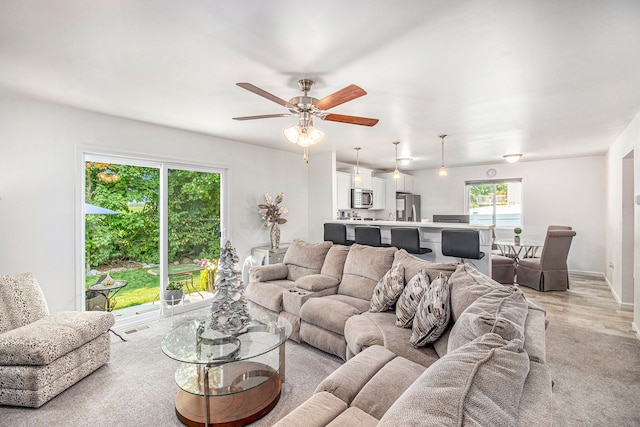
[(463, 244), (368, 236), (407, 239), (336, 233)]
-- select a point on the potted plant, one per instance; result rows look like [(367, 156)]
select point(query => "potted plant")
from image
[(517, 231), (173, 293)]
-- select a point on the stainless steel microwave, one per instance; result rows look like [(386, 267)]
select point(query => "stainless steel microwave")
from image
[(361, 198)]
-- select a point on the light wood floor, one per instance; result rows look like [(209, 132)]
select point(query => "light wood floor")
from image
[(588, 304)]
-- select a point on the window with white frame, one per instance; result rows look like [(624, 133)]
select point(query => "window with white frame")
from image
[(494, 202)]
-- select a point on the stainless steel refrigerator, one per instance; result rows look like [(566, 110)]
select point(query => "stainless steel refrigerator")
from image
[(407, 207)]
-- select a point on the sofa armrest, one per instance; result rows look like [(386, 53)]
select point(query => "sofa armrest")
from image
[(360, 333), (316, 282), (265, 273)]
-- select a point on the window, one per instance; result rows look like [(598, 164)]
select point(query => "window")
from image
[(495, 202)]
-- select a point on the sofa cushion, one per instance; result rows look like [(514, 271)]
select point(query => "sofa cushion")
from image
[(468, 284), (479, 384), (412, 264), (266, 273), (432, 314), (46, 339), (347, 381), (410, 298), (268, 294), (328, 313), (334, 261), (376, 396), (388, 289), (369, 329), (363, 268), (502, 311), (318, 411), (352, 417), (304, 258)]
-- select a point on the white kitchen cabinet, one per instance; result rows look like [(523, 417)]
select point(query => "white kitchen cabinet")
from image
[(343, 190), (402, 185), (378, 185)]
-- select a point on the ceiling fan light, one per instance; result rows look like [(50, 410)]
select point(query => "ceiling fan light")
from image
[(442, 171), (292, 134), (315, 135), (512, 158)]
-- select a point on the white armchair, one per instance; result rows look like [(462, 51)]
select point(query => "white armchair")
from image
[(43, 354)]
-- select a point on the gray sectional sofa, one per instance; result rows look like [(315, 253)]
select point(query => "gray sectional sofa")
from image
[(487, 368)]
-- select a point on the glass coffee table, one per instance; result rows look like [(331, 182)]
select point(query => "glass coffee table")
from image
[(228, 380)]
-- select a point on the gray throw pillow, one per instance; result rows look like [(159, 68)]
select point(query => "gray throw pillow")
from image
[(410, 298), (432, 314), (502, 311), (468, 284), (388, 289)]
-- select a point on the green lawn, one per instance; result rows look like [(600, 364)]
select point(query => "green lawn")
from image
[(142, 287)]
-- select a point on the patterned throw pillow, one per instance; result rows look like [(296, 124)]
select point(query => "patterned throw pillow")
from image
[(410, 298), (432, 314), (388, 289)]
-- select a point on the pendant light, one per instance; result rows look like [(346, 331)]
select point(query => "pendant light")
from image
[(443, 170), (357, 177), (396, 173)]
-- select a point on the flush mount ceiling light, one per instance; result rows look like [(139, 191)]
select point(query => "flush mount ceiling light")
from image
[(443, 170), (396, 172), (357, 177), (512, 158)]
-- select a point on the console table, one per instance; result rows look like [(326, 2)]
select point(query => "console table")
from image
[(270, 256)]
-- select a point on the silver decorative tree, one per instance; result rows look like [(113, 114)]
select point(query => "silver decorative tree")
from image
[(229, 313)]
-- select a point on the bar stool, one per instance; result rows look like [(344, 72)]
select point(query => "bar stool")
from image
[(336, 233), (463, 244), (366, 235), (407, 239)]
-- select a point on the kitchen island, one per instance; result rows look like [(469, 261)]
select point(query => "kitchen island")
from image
[(430, 237)]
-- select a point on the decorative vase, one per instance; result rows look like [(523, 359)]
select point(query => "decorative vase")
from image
[(275, 236), (516, 240)]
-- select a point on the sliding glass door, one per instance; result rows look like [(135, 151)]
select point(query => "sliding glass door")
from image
[(147, 225)]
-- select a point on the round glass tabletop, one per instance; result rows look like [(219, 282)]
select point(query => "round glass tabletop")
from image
[(196, 343)]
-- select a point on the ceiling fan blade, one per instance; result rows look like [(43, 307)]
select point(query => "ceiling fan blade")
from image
[(264, 116), (354, 120), (340, 97), (265, 94)]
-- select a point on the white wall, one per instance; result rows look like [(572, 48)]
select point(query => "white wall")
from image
[(628, 141), (564, 192), (322, 191), (39, 177)]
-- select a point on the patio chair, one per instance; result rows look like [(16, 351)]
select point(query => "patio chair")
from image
[(43, 354)]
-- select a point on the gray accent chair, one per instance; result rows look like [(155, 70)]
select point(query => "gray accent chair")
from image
[(43, 354), (549, 272)]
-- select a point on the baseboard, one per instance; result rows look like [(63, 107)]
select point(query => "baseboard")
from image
[(625, 306), (597, 274), (635, 329)]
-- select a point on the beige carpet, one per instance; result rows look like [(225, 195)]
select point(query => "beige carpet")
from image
[(597, 383)]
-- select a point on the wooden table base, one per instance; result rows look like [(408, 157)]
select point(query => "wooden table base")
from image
[(230, 410)]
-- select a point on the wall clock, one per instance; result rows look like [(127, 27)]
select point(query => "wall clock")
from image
[(491, 172)]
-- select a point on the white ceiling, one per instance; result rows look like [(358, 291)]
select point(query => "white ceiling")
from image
[(545, 78)]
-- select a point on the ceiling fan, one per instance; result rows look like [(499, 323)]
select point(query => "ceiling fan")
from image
[(306, 107)]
